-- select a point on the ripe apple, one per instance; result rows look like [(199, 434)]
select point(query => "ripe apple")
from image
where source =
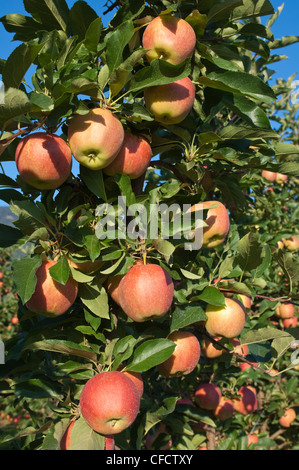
[(217, 220), (225, 409), (287, 418), (285, 310), (43, 160), (244, 365), (109, 402), (1, 275), (95, 138), (280, 178), (133, 158), (114, 281), (207, 396), (169, 38), (65, 443), (227, 321), (269, 175), (290, 322), (170, 103), (252, 439), (238, 348), (247, 403), (209, 350), (14, 320), (136, 378), (146, 292), (184, 358), (50, 297), (246, 301), (291, 243)]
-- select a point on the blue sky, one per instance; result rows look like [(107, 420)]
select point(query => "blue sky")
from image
[(287, 24)]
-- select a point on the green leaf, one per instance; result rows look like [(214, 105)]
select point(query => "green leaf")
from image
[(25, 27), (123, 350), (155, 416), (159, 72), (248, 110), (62, 347), (19, 62), (81, 17), (151, 353), (212, 295), (24, 276), (37, 388), (221, 10), (95, 298), (94, 181), (30, 217), (42, 101), (263, 334), (52, 14), (249, 252), (252, 8), (240, 83), (16, 104), (93, 34), (85, 438), (116, 42), (185, 315), (9, 235), (61, 270)]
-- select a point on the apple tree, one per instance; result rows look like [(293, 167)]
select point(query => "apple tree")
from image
[(209, 122)]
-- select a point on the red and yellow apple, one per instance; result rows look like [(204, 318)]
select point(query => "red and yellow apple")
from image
[(269, 175), (227, 321), (247, 403), (169, 38), (287, 418), (136, 378), (109, 402), (217, 220), (133, 158), (184, 358), (43, 160), (225, 409), (146, 292), (51, 298), (290, 322), (246, 301), (291, 243), (209, 349), (285, 310), (280, 178), (95, 138), (170, 103), (207, 396)]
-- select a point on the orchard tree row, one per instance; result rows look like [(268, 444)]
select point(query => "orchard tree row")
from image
[(131, 340)]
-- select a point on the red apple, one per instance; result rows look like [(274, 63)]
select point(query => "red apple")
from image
[(133, 158), (1, 275), (285, 310), (146, 292), (291, 243), (95, 138), (225, 409), (136, 378), (207, 396), (43, 160), (269, 175), (227, 321), (14, 320), (290, 322), (209, 350), (169, 38), (185, 357), (242, 350), (287, 418), (252, 439), (217, 220), (170, 103), (109, 402), (50, 297), (247, 403)]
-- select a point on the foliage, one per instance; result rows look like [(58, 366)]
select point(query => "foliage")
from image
[(240, 124)]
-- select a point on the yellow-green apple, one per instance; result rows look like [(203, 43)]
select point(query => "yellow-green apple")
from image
[(228, 320), (269, 175), (170, 103), (287, 418), (207, 396), (146, 292), (43, 160), (280, 178), (169, 38), (225, 409), (133, 158), (51, 298), (209, 349), (136, 378), (280, 245), (290, 322), (217, 220), (291, 243), (247, 403), (109, 402), (285, 310), (65, 443), (95, 138), (185, 356)]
